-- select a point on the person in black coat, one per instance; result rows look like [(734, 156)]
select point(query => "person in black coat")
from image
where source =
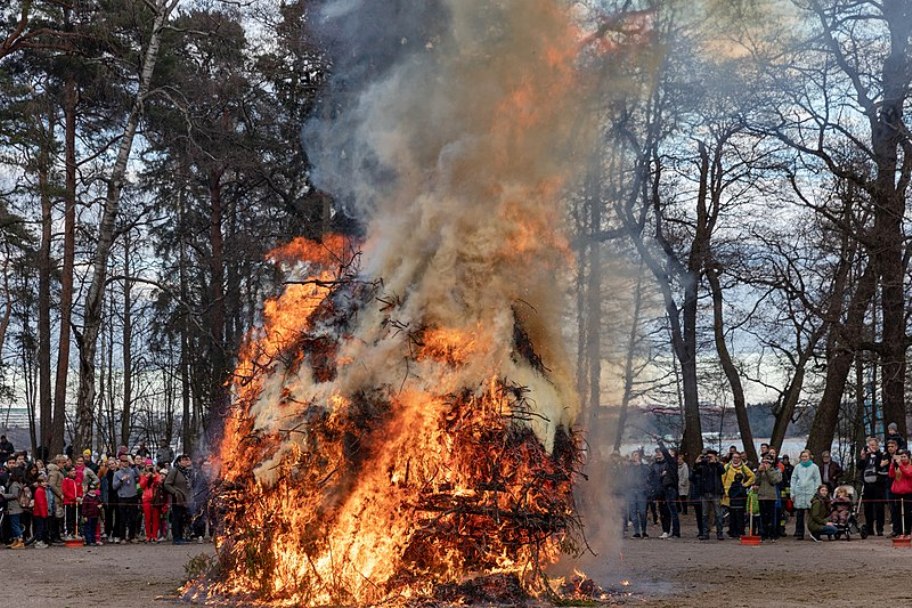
[(664, 485), (873, 476), (707, 476)]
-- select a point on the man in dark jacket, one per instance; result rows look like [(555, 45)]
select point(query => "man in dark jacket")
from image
[(664, 484), (6, 448), (177, 484), (707, 476)]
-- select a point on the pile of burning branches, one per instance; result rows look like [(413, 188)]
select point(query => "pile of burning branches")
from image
[(400, 489)]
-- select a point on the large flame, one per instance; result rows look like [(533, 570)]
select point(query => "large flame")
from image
[(408, 420)]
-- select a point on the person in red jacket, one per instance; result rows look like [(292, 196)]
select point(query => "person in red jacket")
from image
[(70, 490), (150, 482), (40, 513), (901, 490)]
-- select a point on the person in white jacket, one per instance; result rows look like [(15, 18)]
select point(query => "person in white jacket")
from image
[(804, 484)]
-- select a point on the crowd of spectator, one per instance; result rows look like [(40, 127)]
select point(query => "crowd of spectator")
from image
[(122, 498), (733, 497)]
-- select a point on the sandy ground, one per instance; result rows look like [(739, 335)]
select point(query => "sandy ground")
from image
[(686, 572), (679, 573), (120, 576)]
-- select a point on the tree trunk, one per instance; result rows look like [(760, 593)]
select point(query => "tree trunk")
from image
[(594, 310), (728, 366), (841, 353), (45, 414), (218, 393), (888, 135), (95, 294), (58, 423), (126, 420), (632, 339)]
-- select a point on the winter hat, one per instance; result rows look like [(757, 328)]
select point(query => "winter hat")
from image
[(87, 452), (42, 477), (148, 462)]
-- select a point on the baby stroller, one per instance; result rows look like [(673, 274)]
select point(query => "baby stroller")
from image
[(851, 527)]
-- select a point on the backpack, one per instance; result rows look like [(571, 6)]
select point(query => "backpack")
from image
[(26, 501)]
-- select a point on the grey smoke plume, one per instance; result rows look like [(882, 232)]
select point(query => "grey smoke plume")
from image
[(451, 131)]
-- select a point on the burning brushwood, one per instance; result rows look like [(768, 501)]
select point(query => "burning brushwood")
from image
[(411, 418)]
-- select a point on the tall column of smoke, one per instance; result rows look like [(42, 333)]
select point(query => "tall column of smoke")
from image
[(450, 131)]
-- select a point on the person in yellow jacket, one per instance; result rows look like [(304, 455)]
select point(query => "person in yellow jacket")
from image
[(735, 466)]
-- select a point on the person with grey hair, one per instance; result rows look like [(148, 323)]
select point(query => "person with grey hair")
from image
[(830, 471)]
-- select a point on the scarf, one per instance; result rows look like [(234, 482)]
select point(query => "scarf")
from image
[(806, 464)]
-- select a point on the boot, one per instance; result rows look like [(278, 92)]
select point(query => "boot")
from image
[(18, 544)]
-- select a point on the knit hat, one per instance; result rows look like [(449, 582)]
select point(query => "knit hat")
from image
[(87, 452), (148, 462), (42, 477)]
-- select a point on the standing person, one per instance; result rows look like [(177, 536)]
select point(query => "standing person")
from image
[(708, 472), (40, 513), (683, 484), (901, 473), (805, 481), (55, 499), (124, 484), (14, 507), (665, 489), (893, 433), (152, 500), (109, 499), (177, 484), (830, 471), (889, 455), (873, 475), (164, 457), (768, 478), (636, 482), (91, 508), (142, 451), (70, 494), (6, 448), (89, 463)]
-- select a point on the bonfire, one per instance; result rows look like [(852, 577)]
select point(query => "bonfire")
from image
[(402, 424)]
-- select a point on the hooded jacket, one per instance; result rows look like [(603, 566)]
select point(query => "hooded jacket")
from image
[(55, 481), (729, 478), (805, 481)]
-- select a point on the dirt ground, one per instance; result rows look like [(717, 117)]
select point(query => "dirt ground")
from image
[(688, 573), (679, 573), (121, 576)]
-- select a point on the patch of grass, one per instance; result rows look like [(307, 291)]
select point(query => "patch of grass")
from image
[(200, 565)]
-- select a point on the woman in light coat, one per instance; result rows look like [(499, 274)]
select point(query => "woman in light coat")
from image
[(683, 484), (804, 484)]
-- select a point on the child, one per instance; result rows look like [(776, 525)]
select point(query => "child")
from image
[(91, 506), (70, 490), (842, 506), (40, 512), (737, 498)]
